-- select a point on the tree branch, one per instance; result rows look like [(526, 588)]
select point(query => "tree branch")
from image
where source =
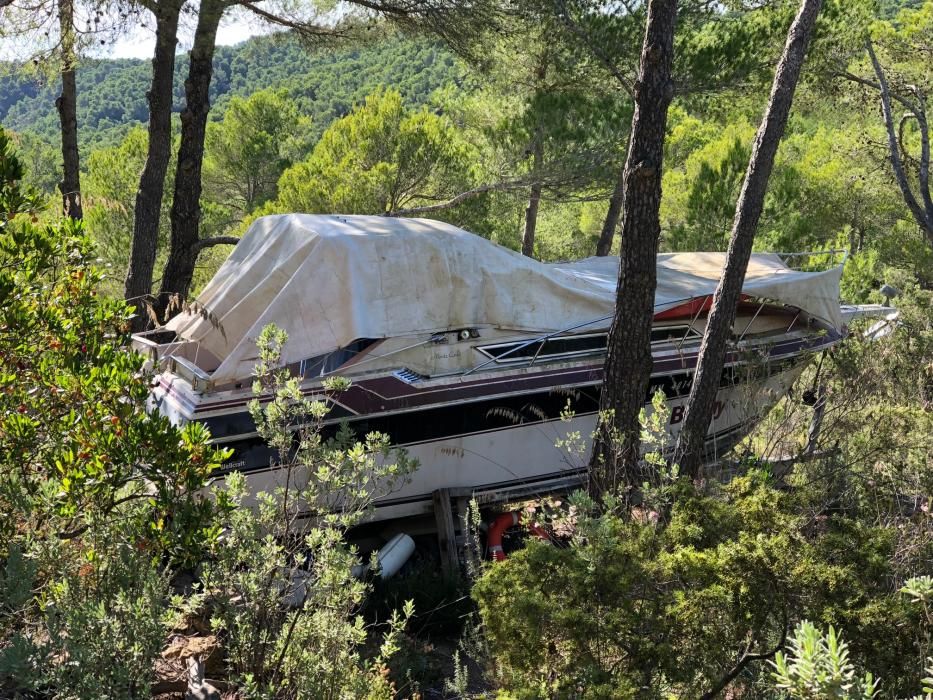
[(893, 148), (460, 198), (875, 86), (745, 660), (625, 81), (80, 530), (302, 28), (216, 240)]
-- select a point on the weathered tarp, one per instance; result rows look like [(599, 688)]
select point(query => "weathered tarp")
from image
[(329, 280)]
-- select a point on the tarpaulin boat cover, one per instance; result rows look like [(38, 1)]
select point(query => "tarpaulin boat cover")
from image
[(329, 280)]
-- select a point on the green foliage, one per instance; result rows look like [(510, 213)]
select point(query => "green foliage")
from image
[(662, 603), (919, 589), (103, 624), (818, 667), (40, 159), (97, 495), (710, 181), (15, 196), (326, 83), (110, 197), (382, 157), (73, 400), (281, 579), (817, 197), (246, 152)]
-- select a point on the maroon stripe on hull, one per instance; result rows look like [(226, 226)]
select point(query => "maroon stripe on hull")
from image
[(389, 393)]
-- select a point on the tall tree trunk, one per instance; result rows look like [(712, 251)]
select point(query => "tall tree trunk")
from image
[(690, 443), (615, 459), (611, 222), (67, 106), (534, 199), (138, 283), (186, 205)]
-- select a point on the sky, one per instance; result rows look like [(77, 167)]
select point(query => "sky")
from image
[(141, 42)]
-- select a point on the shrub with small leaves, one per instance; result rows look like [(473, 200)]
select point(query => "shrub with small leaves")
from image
[(281, 578)]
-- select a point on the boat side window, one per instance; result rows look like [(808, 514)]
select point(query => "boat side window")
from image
[(573, 345), (562, 346), (673, 334), (328, 362)]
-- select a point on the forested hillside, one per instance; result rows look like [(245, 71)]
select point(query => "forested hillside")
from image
[(325, 82)]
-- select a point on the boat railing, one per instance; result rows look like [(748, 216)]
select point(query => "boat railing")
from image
[(197, 377), (802, 261)]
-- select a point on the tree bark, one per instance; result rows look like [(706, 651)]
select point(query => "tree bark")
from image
[(534, 199), (615, 458), (67, 106), (138, 283), (186, 205), (611, 223), (690, 443)]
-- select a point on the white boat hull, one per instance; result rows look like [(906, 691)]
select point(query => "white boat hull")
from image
[(524, 458)]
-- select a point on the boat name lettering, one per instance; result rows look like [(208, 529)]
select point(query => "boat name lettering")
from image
[(677, 412), (446, 355)]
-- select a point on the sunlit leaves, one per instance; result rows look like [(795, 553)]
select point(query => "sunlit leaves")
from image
[(15, 196), (818, 666), (72, 398), (246, 152), (381, 157)]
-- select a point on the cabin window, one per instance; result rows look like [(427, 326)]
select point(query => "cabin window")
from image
[(673, 334), (550, 348), (328, 362), (573, 345)]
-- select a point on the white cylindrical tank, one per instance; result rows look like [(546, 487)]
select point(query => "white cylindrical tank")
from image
[(394, 555), (391, 557)]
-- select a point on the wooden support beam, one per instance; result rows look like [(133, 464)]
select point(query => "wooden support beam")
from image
[(446, 531)]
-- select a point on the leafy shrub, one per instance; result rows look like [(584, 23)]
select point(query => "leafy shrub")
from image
[(818, 666), (644, 607), (281, 577), (98, 497)]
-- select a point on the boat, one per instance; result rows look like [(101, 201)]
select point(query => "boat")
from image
[(473, 358)]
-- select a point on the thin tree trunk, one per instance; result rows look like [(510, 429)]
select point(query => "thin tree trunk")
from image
[(611, 223), (138, 283), (186, 205), (705, 386), (67, 105), (923, 214), (615, 459), (534, 199)]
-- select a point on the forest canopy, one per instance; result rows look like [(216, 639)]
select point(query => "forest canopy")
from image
[(325, 83)]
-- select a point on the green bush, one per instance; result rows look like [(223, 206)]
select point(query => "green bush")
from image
[(98, 498), (658, 607), (280, 580)]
